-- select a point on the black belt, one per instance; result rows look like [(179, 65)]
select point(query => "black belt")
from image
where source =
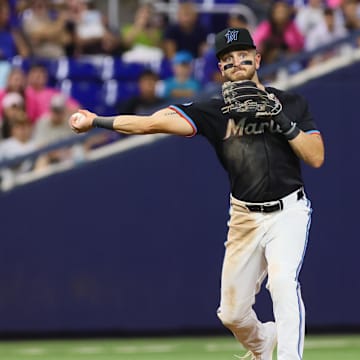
[(273, 205)]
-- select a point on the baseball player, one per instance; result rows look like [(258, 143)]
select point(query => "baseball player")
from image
[(260, 134)]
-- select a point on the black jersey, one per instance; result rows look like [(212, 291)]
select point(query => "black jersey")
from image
[(258, 159)]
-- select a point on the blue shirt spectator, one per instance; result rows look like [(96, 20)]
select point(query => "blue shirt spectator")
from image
[(182, 84), (11, 41)]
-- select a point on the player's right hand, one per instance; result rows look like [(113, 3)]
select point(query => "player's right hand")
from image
[(81, 121)]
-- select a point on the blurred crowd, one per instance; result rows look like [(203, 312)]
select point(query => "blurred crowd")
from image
[(34, 110)]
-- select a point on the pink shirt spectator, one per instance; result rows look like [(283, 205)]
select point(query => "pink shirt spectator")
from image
[(37, 103), (43, 100), (334, 4), (291, 36), (16, 82), (37, 88)]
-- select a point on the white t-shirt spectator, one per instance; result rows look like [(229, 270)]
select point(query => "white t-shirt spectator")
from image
[(322, 35), (11, 148), (307, 18)]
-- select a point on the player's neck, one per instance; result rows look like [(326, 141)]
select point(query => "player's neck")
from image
[(255, 79)]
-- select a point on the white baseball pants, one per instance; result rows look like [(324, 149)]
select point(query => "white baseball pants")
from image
[(261, 244)]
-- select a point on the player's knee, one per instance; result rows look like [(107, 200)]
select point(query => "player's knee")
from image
[(280, 282), (232, 319), (227, 321)]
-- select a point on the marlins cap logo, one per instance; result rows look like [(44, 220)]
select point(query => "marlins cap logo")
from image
[(231, 35), (233, 39)]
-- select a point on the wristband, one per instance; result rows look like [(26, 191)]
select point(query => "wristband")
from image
[(292, 133), (105, 122), (287, 127)]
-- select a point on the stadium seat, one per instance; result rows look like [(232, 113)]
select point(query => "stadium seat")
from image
[(114, 91), (87, 93), (115, 68), (68, 68)]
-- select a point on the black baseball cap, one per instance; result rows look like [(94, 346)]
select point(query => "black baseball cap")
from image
[(231, 39)]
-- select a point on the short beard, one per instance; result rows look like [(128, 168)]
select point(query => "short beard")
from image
[(248, 76)]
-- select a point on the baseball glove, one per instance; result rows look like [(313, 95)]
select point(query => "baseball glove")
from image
[(244, 98)]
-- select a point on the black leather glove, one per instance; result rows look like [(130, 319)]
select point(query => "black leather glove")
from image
[(244, 98)]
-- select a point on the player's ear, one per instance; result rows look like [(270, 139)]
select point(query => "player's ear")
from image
[(257, 60)]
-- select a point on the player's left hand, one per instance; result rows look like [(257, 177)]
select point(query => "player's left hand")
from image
[(244, 98), (81, 121)]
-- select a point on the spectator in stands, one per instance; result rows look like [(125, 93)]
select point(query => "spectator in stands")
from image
[(147, 101), (261, 7), (278, 35), (182, 85), (15, 82), (12, 42), (145, 29), (37, 87), (351, 13), (19, 143), (45, 30), (63, 11), (92, 35), (187, 34), (334, 4), (237, 20), (327, 31), (12, 103), (142, 39), (51, 128), (309, 16)]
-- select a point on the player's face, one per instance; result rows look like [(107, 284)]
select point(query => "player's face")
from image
[(239, 65)]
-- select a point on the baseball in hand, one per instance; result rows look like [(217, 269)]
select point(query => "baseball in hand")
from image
[(78, 117), (77, 122)]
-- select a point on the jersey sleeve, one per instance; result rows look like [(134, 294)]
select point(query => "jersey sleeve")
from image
[(187, 116), (200, 116), (305, 121)]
